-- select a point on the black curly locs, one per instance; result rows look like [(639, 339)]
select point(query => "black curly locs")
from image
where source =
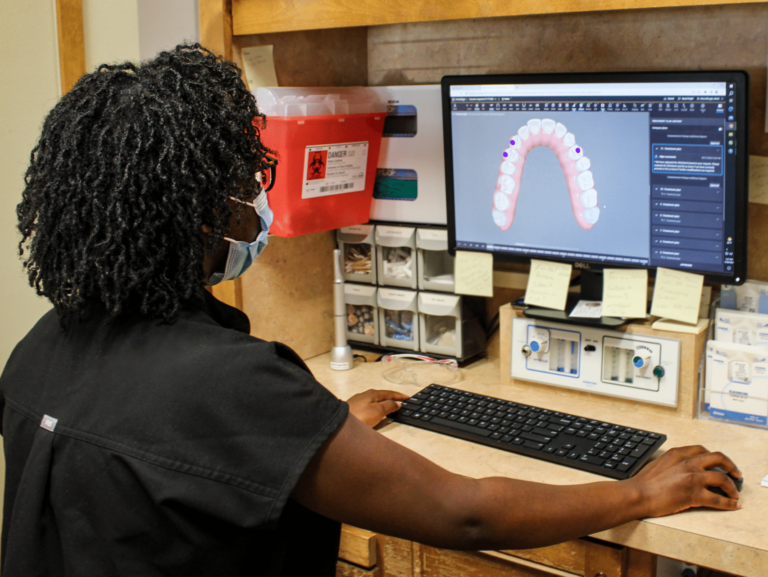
[(131, 162)]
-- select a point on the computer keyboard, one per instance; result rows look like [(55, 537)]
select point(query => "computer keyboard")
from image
[(603, 448)]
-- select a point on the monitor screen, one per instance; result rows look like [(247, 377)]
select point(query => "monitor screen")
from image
[(606, 170)]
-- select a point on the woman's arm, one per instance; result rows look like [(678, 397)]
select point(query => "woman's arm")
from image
[(362, 478)]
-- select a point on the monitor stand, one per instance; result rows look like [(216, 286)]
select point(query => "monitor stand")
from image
[(591, 290)]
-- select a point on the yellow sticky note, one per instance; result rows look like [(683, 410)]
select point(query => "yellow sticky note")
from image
[(625, 293), (677, 295), (474, 273), (259, 65), (548, 284), (758, 179)]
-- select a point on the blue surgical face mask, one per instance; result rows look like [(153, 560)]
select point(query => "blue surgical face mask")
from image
[(242, 254)]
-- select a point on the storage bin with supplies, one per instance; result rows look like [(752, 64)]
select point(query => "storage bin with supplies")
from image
[(752, 297), (362, 313), (327, 141), (450, 325), (396, 256), (398, 318), (736, 385), (741, 327), (435, 263), (358, 252)]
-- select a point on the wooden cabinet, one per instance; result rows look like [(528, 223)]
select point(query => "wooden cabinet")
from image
[(366, 553)]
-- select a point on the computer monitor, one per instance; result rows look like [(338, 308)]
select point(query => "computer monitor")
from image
[(618, 170)]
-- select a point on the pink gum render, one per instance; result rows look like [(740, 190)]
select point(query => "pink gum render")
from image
[(569, 171)]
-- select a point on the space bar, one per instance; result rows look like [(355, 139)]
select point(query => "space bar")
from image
[(460, 427)]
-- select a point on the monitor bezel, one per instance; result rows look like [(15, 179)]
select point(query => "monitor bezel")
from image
[(739, 77)]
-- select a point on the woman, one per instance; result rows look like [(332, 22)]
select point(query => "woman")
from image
[(147, 433)]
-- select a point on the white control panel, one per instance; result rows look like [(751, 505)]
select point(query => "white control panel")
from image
[(628, 365)]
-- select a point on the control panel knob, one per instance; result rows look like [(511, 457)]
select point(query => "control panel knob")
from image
[(590, 349), (526, 351), (641, 359), (539, 341), (658, 371)]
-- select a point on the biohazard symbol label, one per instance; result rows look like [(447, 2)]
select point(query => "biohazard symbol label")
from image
[(317, 164)]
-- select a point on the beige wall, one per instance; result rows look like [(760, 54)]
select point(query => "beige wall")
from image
[(111, 29), (29, 87)]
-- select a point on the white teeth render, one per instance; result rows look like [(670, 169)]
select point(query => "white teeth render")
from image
[(499, 218), (524, 132), (514, 142), (512, 155), (534, 124), (588, 198), (585, 180), (591, 215), (569, 139), (575, 152), (501, 201), (507, 184), (583, 164), (560, 130), (548, 125), (508, 167)]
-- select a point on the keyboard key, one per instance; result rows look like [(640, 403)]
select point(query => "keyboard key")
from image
[(593, 436), (649, 440), (537, 438), (600, 445), (533, 445), (605, 455), (609, 465), (562, 452), (639, 451), (496, 436), (545, 432), (636, 439), (592, 460), (549, 450), (573, 455), (581, 434), (568, 446), (461, 427), (426, 417), (624, 451), (517, 441), (493, 427), (506, 438)]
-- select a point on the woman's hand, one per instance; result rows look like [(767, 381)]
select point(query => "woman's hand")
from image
[(373, 405), (678, 480)]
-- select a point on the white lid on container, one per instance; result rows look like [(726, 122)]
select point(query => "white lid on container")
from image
[(322, 101)]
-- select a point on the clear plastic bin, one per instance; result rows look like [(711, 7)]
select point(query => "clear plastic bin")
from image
[(398, 318), (358, 253), (435, 263), (451, 325), (396, 256), (362, 313)]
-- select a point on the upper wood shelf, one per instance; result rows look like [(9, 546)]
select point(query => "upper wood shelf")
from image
[(262, 16)]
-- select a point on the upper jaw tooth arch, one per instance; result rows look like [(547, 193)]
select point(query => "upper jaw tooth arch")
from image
[(576, 168)]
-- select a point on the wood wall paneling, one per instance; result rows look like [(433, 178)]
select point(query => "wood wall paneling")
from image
[(71, 38), (315, 57), (288, 293), (216, 26), (258, 16)]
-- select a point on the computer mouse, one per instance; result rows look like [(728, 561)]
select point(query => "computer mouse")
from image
[(738, 482)]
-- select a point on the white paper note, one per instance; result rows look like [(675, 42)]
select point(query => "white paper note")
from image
[(259, 65), (474, 273), (548, 284), (625, 293), (676, 295)]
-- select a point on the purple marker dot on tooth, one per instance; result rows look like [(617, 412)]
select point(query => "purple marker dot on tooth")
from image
[(512, 142), (578, 150), (505, 154)]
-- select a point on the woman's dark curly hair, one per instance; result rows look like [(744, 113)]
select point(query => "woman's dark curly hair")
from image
[(131, 162)]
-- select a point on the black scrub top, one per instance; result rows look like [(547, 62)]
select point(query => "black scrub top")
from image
[(136, 448)]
